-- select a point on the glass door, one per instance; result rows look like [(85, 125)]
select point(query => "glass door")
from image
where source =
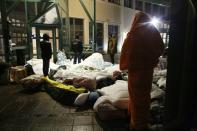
[(54, 40)]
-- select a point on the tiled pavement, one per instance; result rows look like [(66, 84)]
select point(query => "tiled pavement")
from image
[(20, 111)]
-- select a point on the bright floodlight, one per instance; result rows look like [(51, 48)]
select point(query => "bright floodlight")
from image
[(155, 21)]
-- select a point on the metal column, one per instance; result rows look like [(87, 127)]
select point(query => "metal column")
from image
[(93, 21), (28, 29), (94, 26), (5, 30)]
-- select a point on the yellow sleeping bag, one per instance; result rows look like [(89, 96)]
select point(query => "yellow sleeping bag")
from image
[(65, 87)]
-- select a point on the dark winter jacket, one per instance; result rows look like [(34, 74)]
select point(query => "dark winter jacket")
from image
[(77, 46), (46, 50)]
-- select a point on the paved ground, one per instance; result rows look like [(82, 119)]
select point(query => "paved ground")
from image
[(106, 57), (20, 111)]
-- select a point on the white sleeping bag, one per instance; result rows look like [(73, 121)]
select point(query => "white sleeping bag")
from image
[(116, 94)]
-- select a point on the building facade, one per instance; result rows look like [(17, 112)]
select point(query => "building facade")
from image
[(93, 20)]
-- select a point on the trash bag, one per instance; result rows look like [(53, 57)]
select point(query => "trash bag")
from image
[(29, 70), (61, 58), (95, 60)]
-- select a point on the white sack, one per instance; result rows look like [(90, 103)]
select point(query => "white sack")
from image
[(37, 65), (117, 94)]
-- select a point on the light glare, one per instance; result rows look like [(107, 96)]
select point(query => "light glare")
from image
[(155, 21)]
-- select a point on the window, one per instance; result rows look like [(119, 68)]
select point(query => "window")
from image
[(139, 5), (76, 28), (99, 36), (50, 17), (148, 8), (164, 29), (128, 3), (18, 32), (115, 1), (155, 10), (165, 37), (113, 31), (162, 11), (17, 24)]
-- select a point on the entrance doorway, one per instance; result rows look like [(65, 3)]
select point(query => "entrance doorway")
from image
[(37, 37)]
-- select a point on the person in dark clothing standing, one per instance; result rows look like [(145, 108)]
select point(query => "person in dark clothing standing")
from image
[(46, 53), (77, 47)]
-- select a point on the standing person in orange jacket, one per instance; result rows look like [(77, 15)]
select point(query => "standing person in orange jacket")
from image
[(140, 54)]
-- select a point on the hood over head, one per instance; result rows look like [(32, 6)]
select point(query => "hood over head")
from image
[(140, 20)]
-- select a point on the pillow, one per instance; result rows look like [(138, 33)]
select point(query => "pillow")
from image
[(100, 101), (117, 94), (108, 112), (93, 96), (81, 99), (121, 100), (157, 93), (162, 82)]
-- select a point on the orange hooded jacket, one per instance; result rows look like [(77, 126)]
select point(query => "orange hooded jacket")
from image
[(140, 54), (142, 46)]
